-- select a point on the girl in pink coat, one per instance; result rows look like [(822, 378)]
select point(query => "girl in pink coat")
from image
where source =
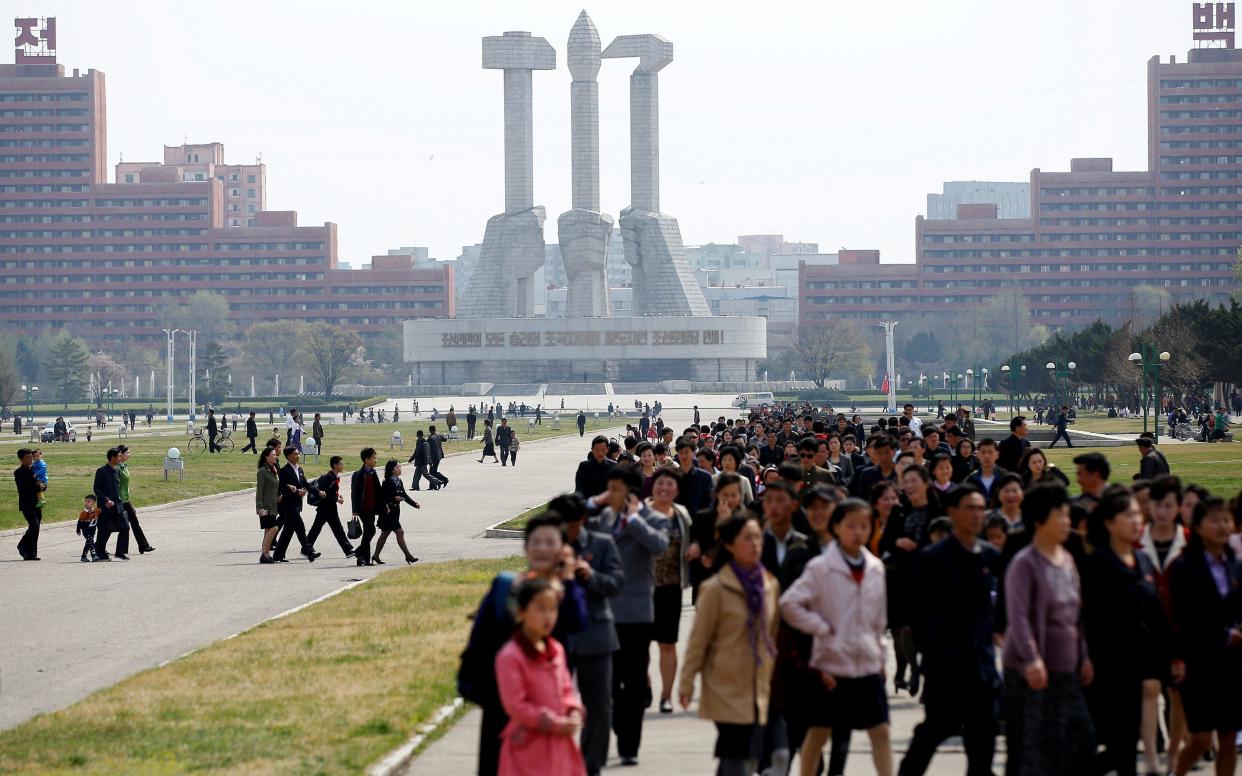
[(545, 713)]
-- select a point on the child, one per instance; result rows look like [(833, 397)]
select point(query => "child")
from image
[(39, 467), (939, 529), (840, 600), (88, 518), (545, 713), (995, 531)]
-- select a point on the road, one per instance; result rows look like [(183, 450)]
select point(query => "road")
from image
[(72, 628)]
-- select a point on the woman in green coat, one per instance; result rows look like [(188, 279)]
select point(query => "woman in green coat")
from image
[(266, 497)]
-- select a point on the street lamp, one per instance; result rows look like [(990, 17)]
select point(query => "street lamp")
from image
[(1012, 378), (1149, 362), (30, 390), (1060, 380)]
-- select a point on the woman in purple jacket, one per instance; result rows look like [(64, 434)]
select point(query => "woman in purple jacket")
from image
[(1047, 725)]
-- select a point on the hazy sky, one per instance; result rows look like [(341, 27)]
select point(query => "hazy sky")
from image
[(825, 121)]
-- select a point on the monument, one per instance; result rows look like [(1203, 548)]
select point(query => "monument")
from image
[(672, 336), (513, 243), (663, 284), (584, 231)]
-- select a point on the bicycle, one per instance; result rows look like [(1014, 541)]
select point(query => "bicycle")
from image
[(199, 443)]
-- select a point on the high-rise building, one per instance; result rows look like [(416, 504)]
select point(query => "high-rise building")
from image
[(1012, 200), (1099, 243), (105, 259)]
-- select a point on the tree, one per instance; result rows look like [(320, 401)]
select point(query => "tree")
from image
[(206, 312), (272, 349), (212, 373), (26, 357), (833, 345), (9, 379), (108, 370), (65, 367), (922, 348), (328, 351)]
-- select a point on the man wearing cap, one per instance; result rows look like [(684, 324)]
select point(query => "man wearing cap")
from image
[(1152, 463), (968, 424)]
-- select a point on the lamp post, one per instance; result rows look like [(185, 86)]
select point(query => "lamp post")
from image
[(30, 390), (111, 393), (888, 327), (1149, 362), (1060, 379), (1013, 378), (955, 381)]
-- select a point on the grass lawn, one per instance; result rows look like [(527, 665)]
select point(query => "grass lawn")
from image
[(1217, 467), (71, 466), (328, 690), (519, 523)]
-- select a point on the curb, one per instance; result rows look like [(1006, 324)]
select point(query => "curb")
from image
[(400, 757), (503, 533)]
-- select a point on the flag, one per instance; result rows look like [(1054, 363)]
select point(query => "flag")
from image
[(884, 385)]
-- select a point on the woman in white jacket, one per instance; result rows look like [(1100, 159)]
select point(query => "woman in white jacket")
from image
[(840, 600)]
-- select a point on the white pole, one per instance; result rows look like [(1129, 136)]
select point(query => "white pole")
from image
[(277, 389), (193, 369), (891, 363), (252, 386), (172, 352), (152, 383)]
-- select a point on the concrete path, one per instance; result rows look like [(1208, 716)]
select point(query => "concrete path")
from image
[(68, 629), (682, 743)]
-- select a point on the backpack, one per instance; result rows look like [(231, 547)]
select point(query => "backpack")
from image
[(312, 494), (476, 676)]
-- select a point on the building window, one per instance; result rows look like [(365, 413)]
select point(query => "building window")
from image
[(249, 179), (234, 192), (129, 178), (250, 193)]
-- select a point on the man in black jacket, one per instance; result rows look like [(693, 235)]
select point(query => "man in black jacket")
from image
[(293, 487), (212, 432), (252, 433), (111, 516), (955, 580), (504, 439), (28, 489), (472, 418), (419, 459), (1013, 447), (435, 454), (366, 499), (591, 479), (598, 569), (328, 489)]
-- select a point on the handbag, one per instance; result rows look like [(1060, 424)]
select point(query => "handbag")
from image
[(354, 530)]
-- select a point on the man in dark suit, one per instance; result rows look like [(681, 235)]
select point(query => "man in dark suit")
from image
[(592, 476), (472, 418), (581, 423), (882, 468), (504, 440), (366, 498), (598, 569), (779, 537), (954, 583), (1151, 463), (435, 454), (28, 490), (293, 487), (328, 488), (111, 516), (252, 433), (419, 459), (212, 432), (1013, 447), (696, 488)]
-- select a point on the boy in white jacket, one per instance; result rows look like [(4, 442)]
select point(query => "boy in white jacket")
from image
[(840, 600)]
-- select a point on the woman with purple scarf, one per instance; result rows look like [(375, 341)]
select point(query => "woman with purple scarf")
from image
[(733, 646)]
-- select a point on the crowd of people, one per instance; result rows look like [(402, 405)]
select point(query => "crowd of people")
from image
[(1086, 630)]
